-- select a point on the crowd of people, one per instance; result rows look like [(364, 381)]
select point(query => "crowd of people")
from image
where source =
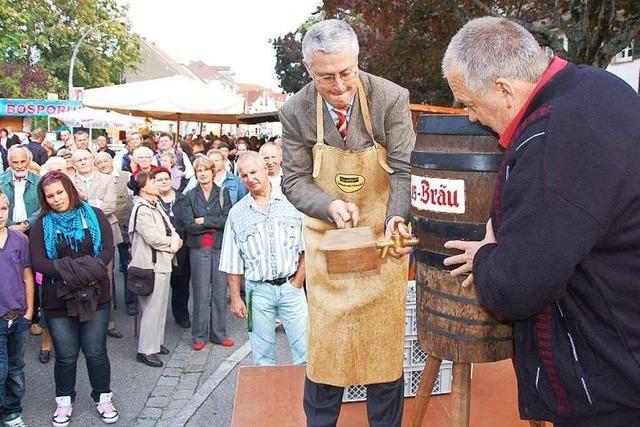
[(208, 214), (166, 208)]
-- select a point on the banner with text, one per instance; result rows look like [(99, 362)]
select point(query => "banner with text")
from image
[(35, 107)]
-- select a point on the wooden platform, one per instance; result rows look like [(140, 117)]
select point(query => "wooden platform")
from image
[(272, 397)]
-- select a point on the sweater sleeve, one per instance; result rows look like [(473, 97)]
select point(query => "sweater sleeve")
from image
[(541, 239), (107, 237)]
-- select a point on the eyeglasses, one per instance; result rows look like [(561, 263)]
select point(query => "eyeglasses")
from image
[(344, 75)]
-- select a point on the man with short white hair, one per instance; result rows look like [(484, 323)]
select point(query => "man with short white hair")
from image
[(347, 139), (21, 187), (272, 156), (561, 251), (271, 261), (141, 160)]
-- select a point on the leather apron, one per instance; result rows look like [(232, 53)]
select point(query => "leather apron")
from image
[(355, 330)]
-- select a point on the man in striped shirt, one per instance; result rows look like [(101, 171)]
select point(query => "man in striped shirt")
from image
[(263, 243)]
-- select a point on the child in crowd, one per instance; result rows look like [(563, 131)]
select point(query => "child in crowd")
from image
[(169, 161), (16, 310)]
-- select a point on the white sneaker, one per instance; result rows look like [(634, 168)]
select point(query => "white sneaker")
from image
[(106, 409), (64, 409)]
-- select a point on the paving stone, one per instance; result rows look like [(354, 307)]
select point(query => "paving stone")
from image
[(144, 423), (183, 394), (167, 422), (167, 381), (194, 368), (153, 413), (162, 391), (188, 381), (177, 405), (199, 357), (175, 363), (171, 372), (158, 402)]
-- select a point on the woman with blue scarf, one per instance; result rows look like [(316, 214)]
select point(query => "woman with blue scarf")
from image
[(71, 244)]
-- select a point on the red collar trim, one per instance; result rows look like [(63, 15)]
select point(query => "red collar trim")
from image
[(556, 65)]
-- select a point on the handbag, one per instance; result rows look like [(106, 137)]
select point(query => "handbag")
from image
[(140, 281)]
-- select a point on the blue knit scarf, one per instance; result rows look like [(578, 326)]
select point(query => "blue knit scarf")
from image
[(68, 226)]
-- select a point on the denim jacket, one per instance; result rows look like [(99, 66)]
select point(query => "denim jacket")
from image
[(31, 202)]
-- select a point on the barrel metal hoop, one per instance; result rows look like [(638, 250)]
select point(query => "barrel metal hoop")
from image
[(465, 338), (460, 319), (451, 124), (445, 295), (462, 162), (454, 230), (433, 259)]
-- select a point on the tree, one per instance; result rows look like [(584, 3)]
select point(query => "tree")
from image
[(594, 30), (40, 35), (404, 40), (401, 40)]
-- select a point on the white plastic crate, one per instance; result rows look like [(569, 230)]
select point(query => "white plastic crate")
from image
[(411, 293), (413, 354), (411, 322), (414, 359), (412, 377)]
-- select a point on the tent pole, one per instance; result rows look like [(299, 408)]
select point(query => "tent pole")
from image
[(178, 129)]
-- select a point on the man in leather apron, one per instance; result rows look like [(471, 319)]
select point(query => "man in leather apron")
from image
[(347, 140)]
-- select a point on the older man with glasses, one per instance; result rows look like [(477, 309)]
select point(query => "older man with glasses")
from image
[(347, 139)]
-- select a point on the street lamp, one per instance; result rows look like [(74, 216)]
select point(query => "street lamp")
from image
[(120, 19)]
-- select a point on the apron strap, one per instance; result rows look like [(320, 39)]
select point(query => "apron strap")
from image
[(364, 107), (317, 148)]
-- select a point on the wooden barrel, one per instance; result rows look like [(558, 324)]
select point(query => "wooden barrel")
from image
[(453, 173)]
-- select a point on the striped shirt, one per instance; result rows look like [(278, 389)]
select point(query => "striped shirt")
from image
[(262, 246)]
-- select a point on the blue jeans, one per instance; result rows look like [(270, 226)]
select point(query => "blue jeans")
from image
[(268, 302), (13, 339), (69, 335)]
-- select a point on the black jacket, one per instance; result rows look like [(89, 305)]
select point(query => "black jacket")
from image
[(40, 155), (213, 212), (566, 266)]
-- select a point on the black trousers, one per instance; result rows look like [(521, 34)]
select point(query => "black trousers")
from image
[(385, 402), (180, 296)]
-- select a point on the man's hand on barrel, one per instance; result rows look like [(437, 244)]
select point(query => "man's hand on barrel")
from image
[(344, 214), (466, 258), (397, 223)]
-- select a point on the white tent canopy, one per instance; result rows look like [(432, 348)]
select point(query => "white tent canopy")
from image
[(169, 98), (101, 119)]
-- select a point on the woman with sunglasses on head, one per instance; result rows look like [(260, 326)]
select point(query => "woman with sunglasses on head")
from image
[(154, 242), (71, 245)]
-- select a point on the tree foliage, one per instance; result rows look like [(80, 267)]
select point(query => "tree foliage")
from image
[(404, 40), (583, 31), (38, 36)]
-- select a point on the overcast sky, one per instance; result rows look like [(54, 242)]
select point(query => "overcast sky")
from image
[(221, 32)]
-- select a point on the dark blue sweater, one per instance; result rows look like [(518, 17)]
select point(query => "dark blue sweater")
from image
[(566, 266)]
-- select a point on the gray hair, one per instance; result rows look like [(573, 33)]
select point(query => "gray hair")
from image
[(22, 149), (251, 155), (141, 151), (270, 144), (487, 48), (329, 36)]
